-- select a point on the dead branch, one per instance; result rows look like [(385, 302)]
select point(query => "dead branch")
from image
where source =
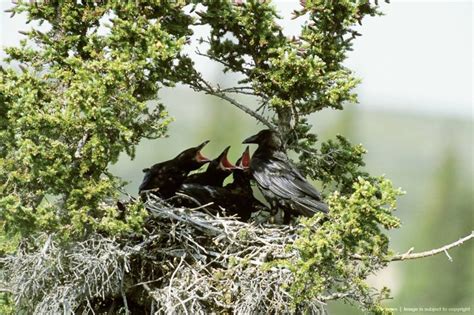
[(205, 86), (409, 255), (80, 145)]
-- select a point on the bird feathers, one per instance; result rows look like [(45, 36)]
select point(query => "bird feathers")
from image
[(279, 180)]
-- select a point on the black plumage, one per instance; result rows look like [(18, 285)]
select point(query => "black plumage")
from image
[(216, 172), (235, 198), (163, 179), (279, 181), (195, 195), (240, 190), (206, 187)]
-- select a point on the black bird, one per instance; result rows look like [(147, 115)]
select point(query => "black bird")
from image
[(216, 172), (243, 203), (164, 178), (195, 195), (240, 174), (206, 187), (235, 198), (280, 182)]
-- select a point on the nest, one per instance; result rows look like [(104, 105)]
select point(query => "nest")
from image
[(188, 262)]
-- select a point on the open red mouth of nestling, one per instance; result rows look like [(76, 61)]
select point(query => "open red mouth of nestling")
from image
[(226, 164), (245, 160), (201, 158)]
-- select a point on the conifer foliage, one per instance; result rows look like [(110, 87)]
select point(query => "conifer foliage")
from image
[(74, 95)]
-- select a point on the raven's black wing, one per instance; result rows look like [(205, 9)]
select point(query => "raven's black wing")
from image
[(281, 178)]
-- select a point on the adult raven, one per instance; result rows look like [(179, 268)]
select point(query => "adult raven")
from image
[(280, 182), (164, 178)]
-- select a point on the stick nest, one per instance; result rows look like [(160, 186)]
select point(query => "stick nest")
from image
[(188, 262)]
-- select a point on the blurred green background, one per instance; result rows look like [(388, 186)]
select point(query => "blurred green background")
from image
[(414, 117)]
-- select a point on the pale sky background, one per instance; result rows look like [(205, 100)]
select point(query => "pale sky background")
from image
[(417, 58)]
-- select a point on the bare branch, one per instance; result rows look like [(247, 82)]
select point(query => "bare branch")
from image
[(243, 108), (80, 145), (225, 64), (239, 90), (334, 296), (205, 86), (408, 255)]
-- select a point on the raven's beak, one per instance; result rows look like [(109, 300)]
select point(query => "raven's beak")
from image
[(202, 145), (252, 139), (224, 161), (199, 157)]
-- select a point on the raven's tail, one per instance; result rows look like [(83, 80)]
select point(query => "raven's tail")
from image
[(309, 207)]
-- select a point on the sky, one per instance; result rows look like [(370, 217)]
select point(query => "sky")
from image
[(417, 58)]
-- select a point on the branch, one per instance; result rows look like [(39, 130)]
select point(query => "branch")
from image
[(4, 288), (408, 255), (227, 65), (206, 87), (244, 108), (333, 296), (80, 145), (150, 292), (240, 90)]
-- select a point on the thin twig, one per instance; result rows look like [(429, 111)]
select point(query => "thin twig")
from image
[(226, 64), (124, 296), (205, 86), (150, 292), (246, 90), (237, 89), (6, 290), (242, 107), (408, 255)]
